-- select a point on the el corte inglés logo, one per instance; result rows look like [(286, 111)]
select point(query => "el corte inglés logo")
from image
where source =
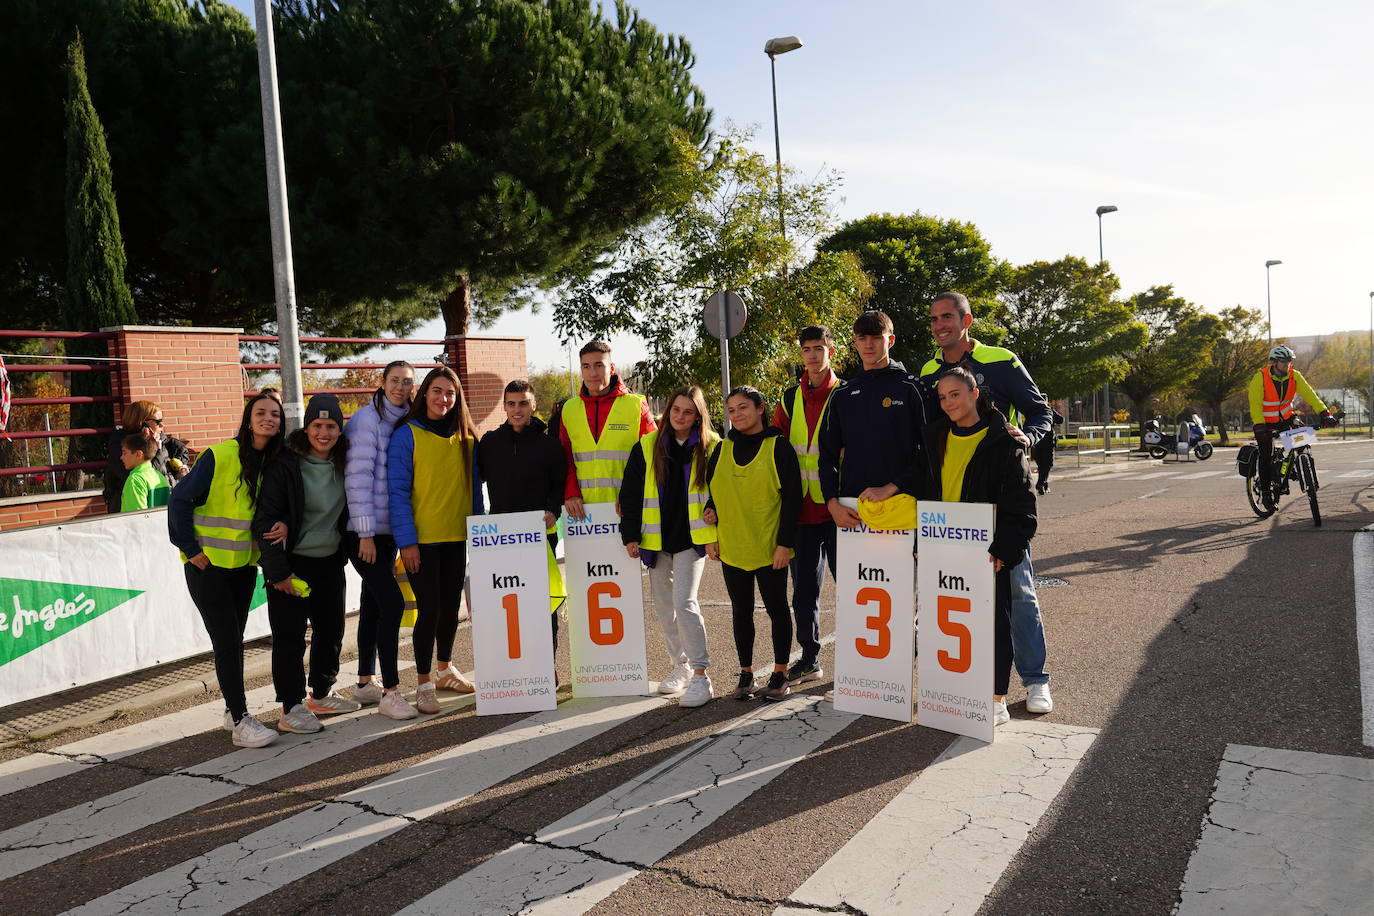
[(34, 613)]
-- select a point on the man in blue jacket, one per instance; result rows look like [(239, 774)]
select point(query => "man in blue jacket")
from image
[(1009, 386), (876, 422)]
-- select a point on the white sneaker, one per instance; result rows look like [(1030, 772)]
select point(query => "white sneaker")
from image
[(698, 692), (368, 693), (1000, 715), (299, 720), (228, 721), (252, 733), (1038, 698), (676, 681), (331, 705), (425, 699), (394, 706)]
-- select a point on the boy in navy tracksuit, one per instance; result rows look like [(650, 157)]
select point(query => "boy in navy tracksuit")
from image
[(876, 420)]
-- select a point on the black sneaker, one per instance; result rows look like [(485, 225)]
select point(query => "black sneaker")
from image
[(802, 672), (777, 687), (745, 689)]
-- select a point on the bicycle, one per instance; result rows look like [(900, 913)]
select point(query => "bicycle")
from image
[(1292, 460)]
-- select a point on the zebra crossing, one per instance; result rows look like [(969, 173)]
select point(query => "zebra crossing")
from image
[(570, 865)]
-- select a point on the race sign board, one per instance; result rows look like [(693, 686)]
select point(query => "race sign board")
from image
[(508, 581), (957, 591), (605, 609), (875, 613)]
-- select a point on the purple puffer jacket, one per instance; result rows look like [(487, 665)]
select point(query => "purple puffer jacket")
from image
[(365, 473)]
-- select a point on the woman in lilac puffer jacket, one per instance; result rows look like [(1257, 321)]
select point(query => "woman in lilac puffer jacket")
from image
[(369, 544)]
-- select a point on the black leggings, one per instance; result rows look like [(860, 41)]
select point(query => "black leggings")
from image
[(324, 610), (438, 589), (223, 597), (1001, 633), (380, 609), (739, 583)]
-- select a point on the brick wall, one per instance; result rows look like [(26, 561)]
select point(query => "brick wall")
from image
[(485, 365), (193, 374), (28, 511)]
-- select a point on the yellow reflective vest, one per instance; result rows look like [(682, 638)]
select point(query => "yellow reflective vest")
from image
[(804, 443), (222, 525), (651, 531), (600, 463), (748, 506)]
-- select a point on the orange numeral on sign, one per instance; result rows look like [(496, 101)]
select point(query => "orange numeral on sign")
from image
[(944, 606), (878, 622), (596, 614), (512, 605)]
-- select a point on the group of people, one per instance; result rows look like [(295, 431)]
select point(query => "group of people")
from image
[(402, 475)]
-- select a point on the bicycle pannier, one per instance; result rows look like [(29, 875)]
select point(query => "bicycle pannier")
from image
[(1246, 460)]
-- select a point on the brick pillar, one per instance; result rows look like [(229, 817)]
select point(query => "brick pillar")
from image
[(193, 374), (485, 365)]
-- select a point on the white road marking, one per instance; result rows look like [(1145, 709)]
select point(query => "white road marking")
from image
[(576, 862), (1136, 476), (242, 871), (1154, 493), (943, 842), (1286, 832), (44, 766), (1363, 548), (1201, 474), (1361, 473), (44, 841)]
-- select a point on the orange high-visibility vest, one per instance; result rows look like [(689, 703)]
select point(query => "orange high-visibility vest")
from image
[(1276, 408)]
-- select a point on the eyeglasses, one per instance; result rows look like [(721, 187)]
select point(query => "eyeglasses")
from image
[(150, 420)]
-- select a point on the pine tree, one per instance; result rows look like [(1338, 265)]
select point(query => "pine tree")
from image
[(95, 293)]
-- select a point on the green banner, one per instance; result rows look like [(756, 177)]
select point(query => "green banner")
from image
[(34, 613)]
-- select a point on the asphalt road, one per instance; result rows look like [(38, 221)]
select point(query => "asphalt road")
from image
[(1180, 626)]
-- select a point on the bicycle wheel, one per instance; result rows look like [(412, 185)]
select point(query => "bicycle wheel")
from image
[(1253, 494), (1307, 474)]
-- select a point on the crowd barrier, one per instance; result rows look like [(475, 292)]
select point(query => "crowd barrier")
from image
[(84, 601)]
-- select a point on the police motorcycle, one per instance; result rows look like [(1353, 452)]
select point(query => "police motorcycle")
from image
[(1159, 443)]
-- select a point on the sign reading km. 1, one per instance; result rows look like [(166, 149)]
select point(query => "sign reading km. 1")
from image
[(605, 609), (508, 576), (955, 580)]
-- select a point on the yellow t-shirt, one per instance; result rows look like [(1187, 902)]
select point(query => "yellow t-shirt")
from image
[(958, 451)]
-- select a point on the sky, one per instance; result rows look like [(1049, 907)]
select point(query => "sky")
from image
[(1227, 132)]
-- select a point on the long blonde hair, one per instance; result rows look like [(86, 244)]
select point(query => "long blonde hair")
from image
[(703, 430)]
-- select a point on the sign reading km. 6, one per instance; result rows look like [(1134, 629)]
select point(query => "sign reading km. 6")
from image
[(605, 609), (508, 576)]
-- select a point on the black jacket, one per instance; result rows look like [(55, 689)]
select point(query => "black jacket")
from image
[(523, 470), (997, 473), (875, 423), (116, 474), (281, 498), (789, 475)]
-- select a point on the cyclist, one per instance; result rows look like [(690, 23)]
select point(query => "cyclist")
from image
[(1272, 392)]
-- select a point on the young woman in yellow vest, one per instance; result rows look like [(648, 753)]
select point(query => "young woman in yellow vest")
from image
[(971, 458), (756, 495), (433, 489), (209, 518), (663, 503)]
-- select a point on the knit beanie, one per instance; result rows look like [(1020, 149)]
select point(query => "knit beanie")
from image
[(324, 407)]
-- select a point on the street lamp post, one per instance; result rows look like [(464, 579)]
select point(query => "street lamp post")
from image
[(773, 47), (1369, 392), (1269, 301), (1106, 386)]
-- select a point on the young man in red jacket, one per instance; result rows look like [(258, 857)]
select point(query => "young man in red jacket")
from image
[(798, 415), (598, 431)]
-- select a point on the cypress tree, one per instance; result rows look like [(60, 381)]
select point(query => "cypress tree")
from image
[(95, 293)]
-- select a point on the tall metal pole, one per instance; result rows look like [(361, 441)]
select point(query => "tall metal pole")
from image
[(1268, 307), (288, 330), (724, 357), (1100, 258), (1369, 392), (1107, 385), (777, 143)]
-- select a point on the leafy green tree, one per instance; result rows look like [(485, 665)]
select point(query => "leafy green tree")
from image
[(1343, 361), (1241, 348), (911, 258), (725, 235), (1062, 321), (95, 294), (551, 385), (1178, 341)]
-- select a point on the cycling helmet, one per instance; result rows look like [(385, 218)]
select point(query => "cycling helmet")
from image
[(1283, 353)]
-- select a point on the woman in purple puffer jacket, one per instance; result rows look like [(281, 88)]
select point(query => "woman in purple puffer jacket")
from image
[(369, 544)]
